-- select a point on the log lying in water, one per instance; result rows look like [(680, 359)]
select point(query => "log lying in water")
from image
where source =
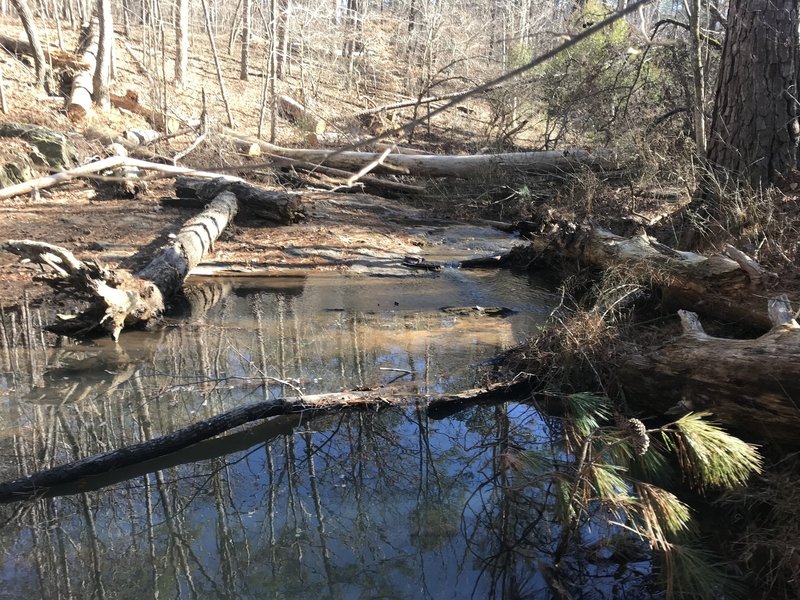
[(751, 384), (120, 299), (38, 484)]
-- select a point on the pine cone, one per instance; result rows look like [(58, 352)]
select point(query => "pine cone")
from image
[(641, 441)]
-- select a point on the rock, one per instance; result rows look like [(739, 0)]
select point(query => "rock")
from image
[(50, 148)]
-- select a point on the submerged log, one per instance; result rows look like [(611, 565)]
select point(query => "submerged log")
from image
[(39, 484), (751, 384)]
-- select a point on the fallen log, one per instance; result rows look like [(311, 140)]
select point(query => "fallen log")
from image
[(730, 287), (39, 484), (334, 138), (120, 299), (283, 208), (371, 183), (298, 114), (130, 101), (434, 165), (80, 100), (750, 384)]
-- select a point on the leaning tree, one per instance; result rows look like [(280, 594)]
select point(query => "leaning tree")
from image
[(754, 128)]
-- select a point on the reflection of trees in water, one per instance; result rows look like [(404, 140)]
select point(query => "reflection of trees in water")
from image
[(387, 503)]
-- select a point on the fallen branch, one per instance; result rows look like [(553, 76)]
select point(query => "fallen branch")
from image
[(371, 183), (103, 165), (39, 484)]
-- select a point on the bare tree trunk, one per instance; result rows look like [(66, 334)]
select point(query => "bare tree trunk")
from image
[(698, 76), (26, 16), (182, 43), (245, 40), (214, 52), (281, 16), (102, 69)]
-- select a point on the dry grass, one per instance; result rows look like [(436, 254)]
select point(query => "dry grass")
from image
[(766, 532)]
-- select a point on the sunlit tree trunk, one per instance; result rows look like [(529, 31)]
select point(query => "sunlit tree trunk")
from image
[(754, 130), (103, 67)]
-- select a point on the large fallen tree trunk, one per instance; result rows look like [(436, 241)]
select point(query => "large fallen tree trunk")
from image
[(729, 287), (371, 184), (123, 300), (39, 484), (751, 384), (297, 113), (282, 208), (80, 100), (435, 165)]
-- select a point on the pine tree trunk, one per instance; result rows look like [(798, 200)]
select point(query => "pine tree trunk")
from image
[(754, 129)]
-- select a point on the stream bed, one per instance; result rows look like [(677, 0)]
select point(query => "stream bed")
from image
[(385, 503)]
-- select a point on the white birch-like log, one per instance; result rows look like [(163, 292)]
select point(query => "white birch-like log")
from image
[(80, 100), (435, 165)]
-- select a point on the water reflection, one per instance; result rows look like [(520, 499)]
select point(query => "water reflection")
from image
[(380, 503)]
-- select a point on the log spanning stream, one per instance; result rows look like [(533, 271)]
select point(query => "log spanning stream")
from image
[(387, 503)]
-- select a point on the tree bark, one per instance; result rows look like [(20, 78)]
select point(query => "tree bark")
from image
[(245, 63), (26, 16), (754, 129)]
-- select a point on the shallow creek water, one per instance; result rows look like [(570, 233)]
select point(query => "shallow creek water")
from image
[(382, 503)]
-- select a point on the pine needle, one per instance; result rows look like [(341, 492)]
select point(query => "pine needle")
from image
[(708, 455)]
